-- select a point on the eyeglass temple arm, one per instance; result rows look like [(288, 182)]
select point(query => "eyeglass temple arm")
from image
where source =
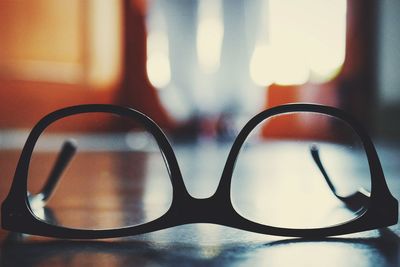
[(68, 150), (354, 201)]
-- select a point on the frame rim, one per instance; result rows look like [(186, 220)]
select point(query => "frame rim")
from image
[(185, 209)]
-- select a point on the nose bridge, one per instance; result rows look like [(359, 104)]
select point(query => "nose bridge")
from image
[(202, 210), (201, 165)]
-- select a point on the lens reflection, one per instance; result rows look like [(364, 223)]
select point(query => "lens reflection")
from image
[(277, 181), (116, 177)]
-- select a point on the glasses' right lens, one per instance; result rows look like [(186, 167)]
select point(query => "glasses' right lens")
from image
[(111, 173), (290, 168)]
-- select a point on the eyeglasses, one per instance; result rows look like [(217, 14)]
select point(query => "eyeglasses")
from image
[(372, 210)]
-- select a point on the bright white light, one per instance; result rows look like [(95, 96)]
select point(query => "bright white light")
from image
[(289, 66), (261, 66), (158, 69), (327, 39), (209, 40), (306, 42), (158, 65), (210, 33), (278, 65)]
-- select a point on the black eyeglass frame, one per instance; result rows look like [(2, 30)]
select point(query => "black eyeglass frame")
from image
[(17, 214)]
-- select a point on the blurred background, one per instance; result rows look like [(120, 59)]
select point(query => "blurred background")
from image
[(200, 68)]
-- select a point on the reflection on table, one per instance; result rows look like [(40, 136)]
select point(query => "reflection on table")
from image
[(277, 182)]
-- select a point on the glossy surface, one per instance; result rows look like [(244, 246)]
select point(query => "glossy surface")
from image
[(204, 244)]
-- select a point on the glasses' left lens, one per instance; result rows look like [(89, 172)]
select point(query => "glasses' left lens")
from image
[(301, 170), (98, 171)]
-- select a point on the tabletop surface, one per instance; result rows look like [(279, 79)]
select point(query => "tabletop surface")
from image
[(187, 245)]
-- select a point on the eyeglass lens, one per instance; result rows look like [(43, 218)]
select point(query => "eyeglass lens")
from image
[(277, 180), (115, 175)]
